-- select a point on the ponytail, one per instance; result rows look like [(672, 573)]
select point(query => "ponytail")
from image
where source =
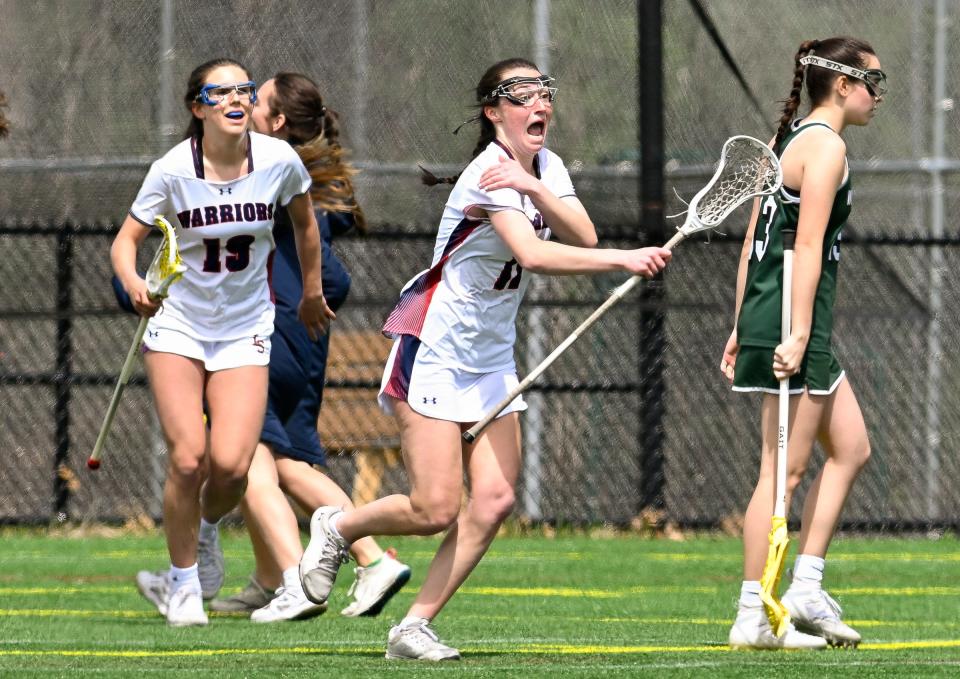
[(487, 134), (792, 103), (313, 129), (330, 173), (819, 81)]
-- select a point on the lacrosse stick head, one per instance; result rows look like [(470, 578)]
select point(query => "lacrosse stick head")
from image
[(748, 168), (167, 266)]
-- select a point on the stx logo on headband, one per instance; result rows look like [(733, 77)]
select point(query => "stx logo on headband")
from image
[(874, 79)]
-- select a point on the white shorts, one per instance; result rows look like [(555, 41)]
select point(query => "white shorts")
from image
[(417, 375), (215, 355)]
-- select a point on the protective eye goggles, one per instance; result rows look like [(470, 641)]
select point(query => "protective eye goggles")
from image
[(525, 91), (874, 79), (212, 95)]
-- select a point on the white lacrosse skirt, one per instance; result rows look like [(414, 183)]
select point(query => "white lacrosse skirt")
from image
[(436, 389), (224, 355)]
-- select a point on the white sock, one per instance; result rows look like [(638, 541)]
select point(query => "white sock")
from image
[(334, 520), (291, 579), (750, 594), (808, 571), (412, 620), (208, 531), (184, 577)]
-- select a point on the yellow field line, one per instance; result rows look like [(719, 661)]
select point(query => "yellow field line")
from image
[(72, 613), (610, 593), (718, 622), (520, 555), (243, 553), (899, 591), (561, 592), (864, 556), (527, 649), (85, 589)]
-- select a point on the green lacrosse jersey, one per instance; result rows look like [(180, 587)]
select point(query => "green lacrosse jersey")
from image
[(759, 321)]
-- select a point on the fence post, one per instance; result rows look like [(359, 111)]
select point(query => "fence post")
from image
[(63, 373), (652, 232)]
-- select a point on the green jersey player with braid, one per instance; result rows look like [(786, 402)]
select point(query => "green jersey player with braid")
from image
[(845, 86)]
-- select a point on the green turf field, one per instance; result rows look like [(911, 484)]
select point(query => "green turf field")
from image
[(566, 606)]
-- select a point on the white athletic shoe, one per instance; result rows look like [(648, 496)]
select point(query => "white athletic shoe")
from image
[(751, 630), (288, 605), (155, 588), (210, 564), (247, 600), (376, 585), (185, 607), (322, 558), (815, 612), (418, 642)]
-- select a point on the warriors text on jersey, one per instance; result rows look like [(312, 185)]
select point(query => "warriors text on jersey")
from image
[(464, 306), (759, 322), (224, 231)]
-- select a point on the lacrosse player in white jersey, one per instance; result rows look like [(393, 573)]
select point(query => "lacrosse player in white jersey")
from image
[(455, 327), (209, 343)]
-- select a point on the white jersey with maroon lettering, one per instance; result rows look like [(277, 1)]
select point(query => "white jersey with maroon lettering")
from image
[(225, 233), (464, 307)]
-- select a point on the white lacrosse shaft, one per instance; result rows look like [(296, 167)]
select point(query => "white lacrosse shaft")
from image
[(747, 168), (471, 434), (783, 429), (94, 461)]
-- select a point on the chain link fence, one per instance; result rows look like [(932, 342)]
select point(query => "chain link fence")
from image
[(95, 90)]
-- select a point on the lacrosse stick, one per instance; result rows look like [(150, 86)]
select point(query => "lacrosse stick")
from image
[(747, 168), (164, 271), (779, 538)]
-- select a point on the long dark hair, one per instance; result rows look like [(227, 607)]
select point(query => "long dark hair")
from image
[(313, 129), (4, 123), (195, 83), (842, 49), (488, 132)]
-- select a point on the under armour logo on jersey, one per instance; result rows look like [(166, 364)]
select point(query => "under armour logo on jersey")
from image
[(228, 189), (432, 400), (153, 334)]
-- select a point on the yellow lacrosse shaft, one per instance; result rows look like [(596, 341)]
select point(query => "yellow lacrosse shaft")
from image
[(166, 269), (772, 572)]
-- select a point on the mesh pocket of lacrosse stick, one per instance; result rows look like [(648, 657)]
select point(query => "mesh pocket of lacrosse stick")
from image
[(747, 169), (167, 266)]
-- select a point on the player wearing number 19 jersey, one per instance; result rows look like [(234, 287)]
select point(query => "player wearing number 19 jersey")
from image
[(225, 234), (461, 312)]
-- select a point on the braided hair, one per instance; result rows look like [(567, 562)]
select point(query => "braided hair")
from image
[(488, 132), (819, 81)]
